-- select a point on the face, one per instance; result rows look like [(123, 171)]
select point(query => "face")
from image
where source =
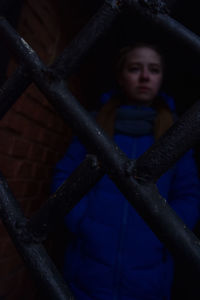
[(141, 75)]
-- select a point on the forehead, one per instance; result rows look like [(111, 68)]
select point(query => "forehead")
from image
[(143, 55)]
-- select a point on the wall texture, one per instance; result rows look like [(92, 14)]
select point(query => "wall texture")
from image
[(32, 139)]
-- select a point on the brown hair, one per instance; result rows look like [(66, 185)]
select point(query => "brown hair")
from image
[(107, 114), (121, 57)]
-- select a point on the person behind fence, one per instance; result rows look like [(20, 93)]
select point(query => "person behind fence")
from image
[(113, 253)]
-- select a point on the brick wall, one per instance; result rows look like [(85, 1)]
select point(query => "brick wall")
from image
[(32, 138)]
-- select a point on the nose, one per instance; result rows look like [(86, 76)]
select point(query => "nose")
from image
[(144, 76)]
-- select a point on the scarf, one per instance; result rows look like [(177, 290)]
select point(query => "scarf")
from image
[(135, 121)]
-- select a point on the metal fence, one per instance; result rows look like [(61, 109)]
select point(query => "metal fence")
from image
[(135, 179)]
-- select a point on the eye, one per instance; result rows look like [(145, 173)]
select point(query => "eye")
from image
[(155, 70), (133, 69)]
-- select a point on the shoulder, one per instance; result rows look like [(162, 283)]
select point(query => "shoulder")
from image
[(169, 101), (75, 153)]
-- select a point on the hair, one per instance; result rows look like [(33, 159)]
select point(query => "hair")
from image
[(121, 57), (107, 114)]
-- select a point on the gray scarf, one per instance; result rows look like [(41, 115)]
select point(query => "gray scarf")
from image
[(135, 121)]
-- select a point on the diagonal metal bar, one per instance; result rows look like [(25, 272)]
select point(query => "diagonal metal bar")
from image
[(80, 43), (167, 23), (110, 12), (166, 151), (66, 197), (179, 31), (74, 53), (35, 256), (162, 219), (149, 166), (96, 27), (68, 61), (61, 98), (142, 195)]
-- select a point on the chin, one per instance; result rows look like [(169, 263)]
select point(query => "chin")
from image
[(145, 100)]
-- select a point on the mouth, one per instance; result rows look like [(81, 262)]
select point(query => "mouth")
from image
[(143, 89)]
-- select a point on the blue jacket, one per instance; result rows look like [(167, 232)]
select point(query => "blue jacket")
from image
[(114, 255)]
